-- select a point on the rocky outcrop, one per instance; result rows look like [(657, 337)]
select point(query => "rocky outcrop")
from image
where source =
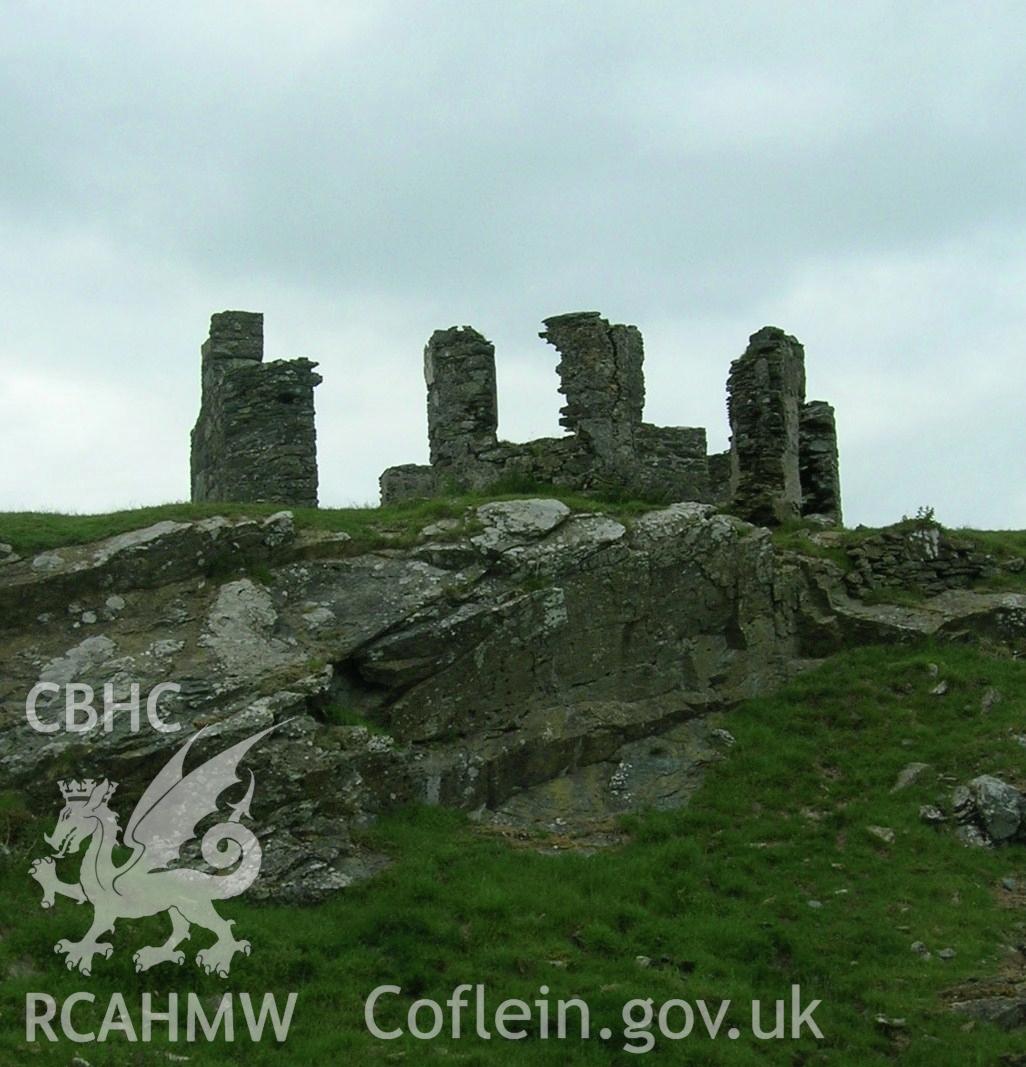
[(834, 619), (37, 590), (533, 664)]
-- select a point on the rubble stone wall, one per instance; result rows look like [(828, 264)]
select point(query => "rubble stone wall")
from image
[(255, 439), (923, 556)]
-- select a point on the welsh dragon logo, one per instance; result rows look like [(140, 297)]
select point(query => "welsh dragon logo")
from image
[(146, 883)]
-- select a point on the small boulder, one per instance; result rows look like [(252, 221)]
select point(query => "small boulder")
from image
[(278, 529), (1000, 807), (1009, 1013), (908, 775), (517, 522)]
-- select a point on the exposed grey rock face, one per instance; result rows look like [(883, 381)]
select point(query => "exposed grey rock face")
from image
[(543, 655), (836, 620), (254, 439), (1009, 1013), (661, 773), (518, 522), (909, 775), (546, 644), (240, 631), (765, 393), (155, 556)]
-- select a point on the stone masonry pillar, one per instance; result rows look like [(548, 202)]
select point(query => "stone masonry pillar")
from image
[(234, 335), (601, 376), (765, 392), (463, 409), (818, 462)]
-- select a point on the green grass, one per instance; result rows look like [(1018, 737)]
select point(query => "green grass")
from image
[(793, 536), (1003, 545), (897, 596), (716, 895), (341, 715), (396, 525)]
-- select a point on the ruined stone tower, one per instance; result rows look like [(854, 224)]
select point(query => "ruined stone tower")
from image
[(601, 377), (254, 439), (463, 409), (765, 392), (818, 462), (782, 462), (783, 451)]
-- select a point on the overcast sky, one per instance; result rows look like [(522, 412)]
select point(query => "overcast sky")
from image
[(364, 173)]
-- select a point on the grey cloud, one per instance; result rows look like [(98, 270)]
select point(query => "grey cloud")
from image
[(366, 173)]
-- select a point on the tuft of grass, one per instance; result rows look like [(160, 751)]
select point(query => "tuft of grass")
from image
[(899, 596), (1004, 546), (15, 817), (343, 715), (793, 536), (716, 896)]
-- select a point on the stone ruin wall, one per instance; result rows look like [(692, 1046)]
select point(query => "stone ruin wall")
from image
[(254, 439), (608, 447), (913, 555), (782, 463)]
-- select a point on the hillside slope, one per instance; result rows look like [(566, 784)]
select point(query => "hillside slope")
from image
[(714, 901), (669, 769)]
